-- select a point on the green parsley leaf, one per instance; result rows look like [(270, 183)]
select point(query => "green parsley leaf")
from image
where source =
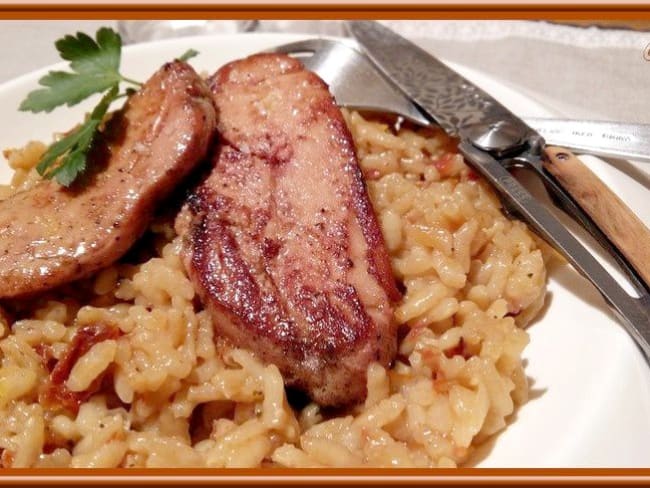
[(189, 54), (66, 159), (95, 66), (66, 89), (89, 56)]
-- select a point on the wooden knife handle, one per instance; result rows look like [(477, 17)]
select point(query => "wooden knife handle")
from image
[(605, 208)]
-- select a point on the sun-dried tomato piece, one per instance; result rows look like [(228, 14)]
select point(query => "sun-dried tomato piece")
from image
[(55, 393)]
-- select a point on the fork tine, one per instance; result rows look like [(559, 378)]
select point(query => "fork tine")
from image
[(352, 78)]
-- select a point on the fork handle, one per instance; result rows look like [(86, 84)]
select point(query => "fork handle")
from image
[(623, 228)]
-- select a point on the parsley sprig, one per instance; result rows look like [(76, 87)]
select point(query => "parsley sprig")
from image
[(74, 146), (95, 68)]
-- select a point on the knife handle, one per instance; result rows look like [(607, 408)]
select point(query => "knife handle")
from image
[(623, 228)]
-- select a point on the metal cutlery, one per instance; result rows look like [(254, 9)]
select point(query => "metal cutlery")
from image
[(600, 138), (349, 75), (492, 139)]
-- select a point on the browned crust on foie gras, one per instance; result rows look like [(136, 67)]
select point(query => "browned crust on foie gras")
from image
[(51, 235), (281, 240)]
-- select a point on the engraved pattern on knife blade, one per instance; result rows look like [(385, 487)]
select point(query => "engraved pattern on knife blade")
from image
[(451, 99)]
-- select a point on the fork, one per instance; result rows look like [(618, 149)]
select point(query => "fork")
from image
[(356, 83), (349, 74)]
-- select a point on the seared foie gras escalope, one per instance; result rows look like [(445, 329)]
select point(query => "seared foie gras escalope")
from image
[(50, 235), (281, 241)]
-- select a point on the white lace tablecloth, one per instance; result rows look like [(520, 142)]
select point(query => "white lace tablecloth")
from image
[(587, 72)]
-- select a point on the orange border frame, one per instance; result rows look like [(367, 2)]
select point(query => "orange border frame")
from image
[(320, 10), (329, 476), (336, 476)]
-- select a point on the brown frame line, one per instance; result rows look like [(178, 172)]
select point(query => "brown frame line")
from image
[(327, 477), (325, 11)]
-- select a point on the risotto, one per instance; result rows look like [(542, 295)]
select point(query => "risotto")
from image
[(123, 369)]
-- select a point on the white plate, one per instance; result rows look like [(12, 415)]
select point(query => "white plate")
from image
[(590, 399)]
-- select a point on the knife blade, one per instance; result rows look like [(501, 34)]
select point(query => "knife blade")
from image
[(600, 138), (492, 139)]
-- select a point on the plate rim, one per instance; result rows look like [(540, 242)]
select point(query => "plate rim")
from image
[(134, 50)]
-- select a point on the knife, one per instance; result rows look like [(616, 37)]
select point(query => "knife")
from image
[(493, 139), (600, 138)]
